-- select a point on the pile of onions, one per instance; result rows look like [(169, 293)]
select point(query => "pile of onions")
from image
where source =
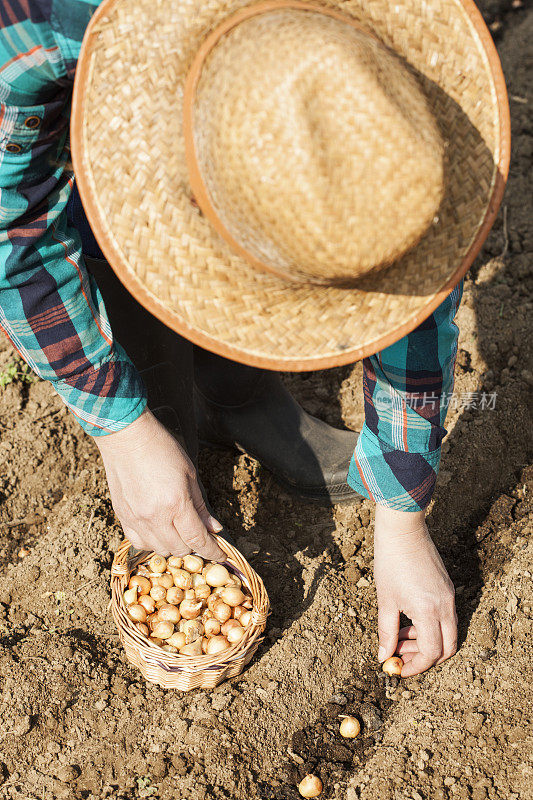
[(187, 606)]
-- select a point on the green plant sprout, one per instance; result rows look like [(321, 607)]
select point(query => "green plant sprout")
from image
[(17, 370)]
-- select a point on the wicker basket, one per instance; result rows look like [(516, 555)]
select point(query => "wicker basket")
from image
[(175, 671)]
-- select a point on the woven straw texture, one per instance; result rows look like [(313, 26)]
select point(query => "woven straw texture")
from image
[(130, 162), (343, 127), (175, 671)]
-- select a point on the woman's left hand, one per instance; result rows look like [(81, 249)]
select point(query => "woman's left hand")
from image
[(411, 577)]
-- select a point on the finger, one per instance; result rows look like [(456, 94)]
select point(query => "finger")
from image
[(193, 532), (407, 646), (429, 640), (142, 542), (388, 624), (449, 639), (408, 632), (407, 658), (211, 524)]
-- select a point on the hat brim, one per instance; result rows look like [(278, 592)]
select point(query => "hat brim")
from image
[(130, 166)]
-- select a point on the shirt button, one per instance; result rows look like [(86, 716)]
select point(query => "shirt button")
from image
[(13, 148), (32, 122)]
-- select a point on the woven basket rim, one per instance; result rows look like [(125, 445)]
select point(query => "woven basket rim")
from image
[(406, 321), (171, 663)]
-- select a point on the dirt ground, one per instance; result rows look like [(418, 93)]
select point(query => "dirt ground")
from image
[(79, 722)]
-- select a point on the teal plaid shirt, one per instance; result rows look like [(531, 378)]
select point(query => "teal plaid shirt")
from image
[(53, 313)]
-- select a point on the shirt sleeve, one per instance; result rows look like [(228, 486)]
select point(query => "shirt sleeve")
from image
[(50, 307), (407, 389)]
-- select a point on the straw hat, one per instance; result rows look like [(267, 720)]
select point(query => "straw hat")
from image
[(290, 185)]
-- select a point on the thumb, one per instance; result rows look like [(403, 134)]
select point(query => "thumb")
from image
[(388, 629)]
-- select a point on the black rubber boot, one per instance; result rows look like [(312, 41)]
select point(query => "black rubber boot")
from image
[(251, 410)]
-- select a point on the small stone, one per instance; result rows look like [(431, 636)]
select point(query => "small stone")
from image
[(22, 726), (158, 767), (371, 717), (474, 722), (352, 573), (67, 773), (363, 583), (486, 654), (339, 699), (449, 781), (100, 705), (221, 701), (364, 516), (179, 764), (486, 634), (527, 377), (348, 550), (406, 694)]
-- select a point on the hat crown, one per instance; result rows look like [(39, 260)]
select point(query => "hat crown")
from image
[(317, 148)]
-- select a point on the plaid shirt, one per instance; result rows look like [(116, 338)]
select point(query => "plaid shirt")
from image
[(53, 313)]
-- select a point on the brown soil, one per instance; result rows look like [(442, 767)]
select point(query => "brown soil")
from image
[(79, 722)]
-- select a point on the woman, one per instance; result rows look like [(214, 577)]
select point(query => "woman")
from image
[(52, 308)]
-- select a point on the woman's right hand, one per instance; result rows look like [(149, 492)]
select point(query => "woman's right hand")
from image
[(155, 491)]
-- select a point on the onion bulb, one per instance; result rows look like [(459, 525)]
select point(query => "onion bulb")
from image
[(163, 630), (193, 630), (169, 613), (175, 595), (193, 563), (143, 628), (152, 620), (147, 602), (182, 578), (221, 611), (350, 727), (192, 649), (245, 618), (166, 580), (232, 596), (157, 563), (177, 640), (190, 609), (216, 644), (130, 596), (202, 592), (168, 648), (176, 562), (212, 627), (217, 575), (137, 613), (310, 786), (393, 666), (158, 593), (227, 626), (143, 583), (155, 640), (235, 634), (198, 580)]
